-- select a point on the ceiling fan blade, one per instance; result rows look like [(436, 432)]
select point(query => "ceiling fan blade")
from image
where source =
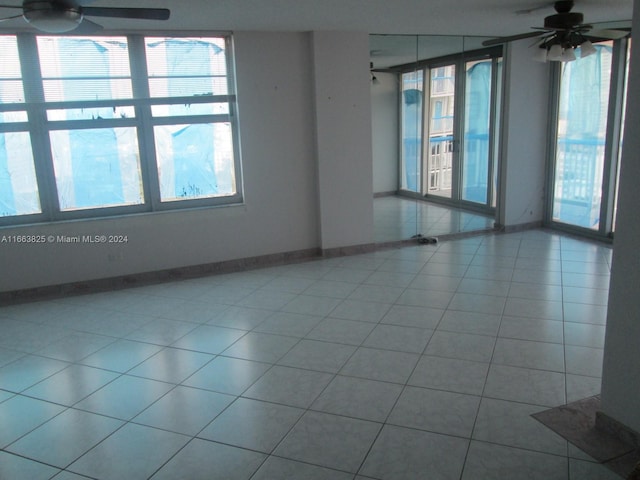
[(11, 6), (10, 18), (87, 27), (512, 38), (137, 13), (607, 34)]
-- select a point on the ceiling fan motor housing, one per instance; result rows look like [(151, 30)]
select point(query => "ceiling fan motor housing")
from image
[(563, 21)]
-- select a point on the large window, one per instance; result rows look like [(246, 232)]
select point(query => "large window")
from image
[(590, 104), (93, 126)]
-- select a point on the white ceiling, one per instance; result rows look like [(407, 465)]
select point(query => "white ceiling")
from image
[(452, 17)]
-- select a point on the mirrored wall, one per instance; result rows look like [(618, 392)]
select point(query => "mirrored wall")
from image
[(436, 121)]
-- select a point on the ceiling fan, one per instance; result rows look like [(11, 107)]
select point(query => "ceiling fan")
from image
[(562, 33), (60, 16)]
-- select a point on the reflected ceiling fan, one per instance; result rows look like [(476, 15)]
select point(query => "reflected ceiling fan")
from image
[(562, 33), (60, 16)]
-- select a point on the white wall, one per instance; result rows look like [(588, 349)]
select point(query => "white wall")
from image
[(524, 137), (343, 138), (384, 127), (274, 77), (621, 369)]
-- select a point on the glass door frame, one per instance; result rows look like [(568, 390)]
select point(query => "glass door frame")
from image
[(613, 144), (460, 60)]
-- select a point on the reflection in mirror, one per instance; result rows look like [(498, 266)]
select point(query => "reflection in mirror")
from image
[(435, 105)]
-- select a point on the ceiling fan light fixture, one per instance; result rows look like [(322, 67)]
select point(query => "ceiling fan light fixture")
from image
[(49, 18), (568, 55), (586, 49), (555, 53), (541, 55)]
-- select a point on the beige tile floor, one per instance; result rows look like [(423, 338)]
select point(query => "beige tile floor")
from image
[(421, 362)]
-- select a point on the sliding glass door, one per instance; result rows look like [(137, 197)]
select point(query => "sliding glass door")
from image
[(449, 147), (590, 103)]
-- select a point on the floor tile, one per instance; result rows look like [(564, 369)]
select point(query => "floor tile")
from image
[(488, 272), (290, 324), (8, 356), (511, 424), (358, 398), (227, 375), (252, 424), (464, 346), (329, 441), (287, 284), (376, 293), (184, 410), (524, 307), (469, 302), (121, 355), (345, 274), (261, 347), (523, 353), (317, 355), (361, 310), (454, 375), (162, 331), (487, 462), (125, 397), (134, 451), (584, 360), (583, 313), (525, 385), (390, 279), (242, 318), (406, 454), (283, 469), (15, 467), (331, 288), (580, 386), (19, 415), (310, 305), (209, 339), (266, 299), (65, 475), (584, 334), (535, 291), (396, 337), (438, 283), (383, 365), (413, 316), (533, 329), (537, 276), (65, 438), (425, 298), (484, 287), (289, 386), (203, 460), (171, 365), (27, 371), (581, 470), (71, 384), (435, 411), (591, 296), (341, 331), (470, 322)]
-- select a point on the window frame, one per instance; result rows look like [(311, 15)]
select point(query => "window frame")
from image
[(38, 126)]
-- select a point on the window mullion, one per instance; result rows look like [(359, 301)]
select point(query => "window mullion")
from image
[(139, 79), (38, 128)]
